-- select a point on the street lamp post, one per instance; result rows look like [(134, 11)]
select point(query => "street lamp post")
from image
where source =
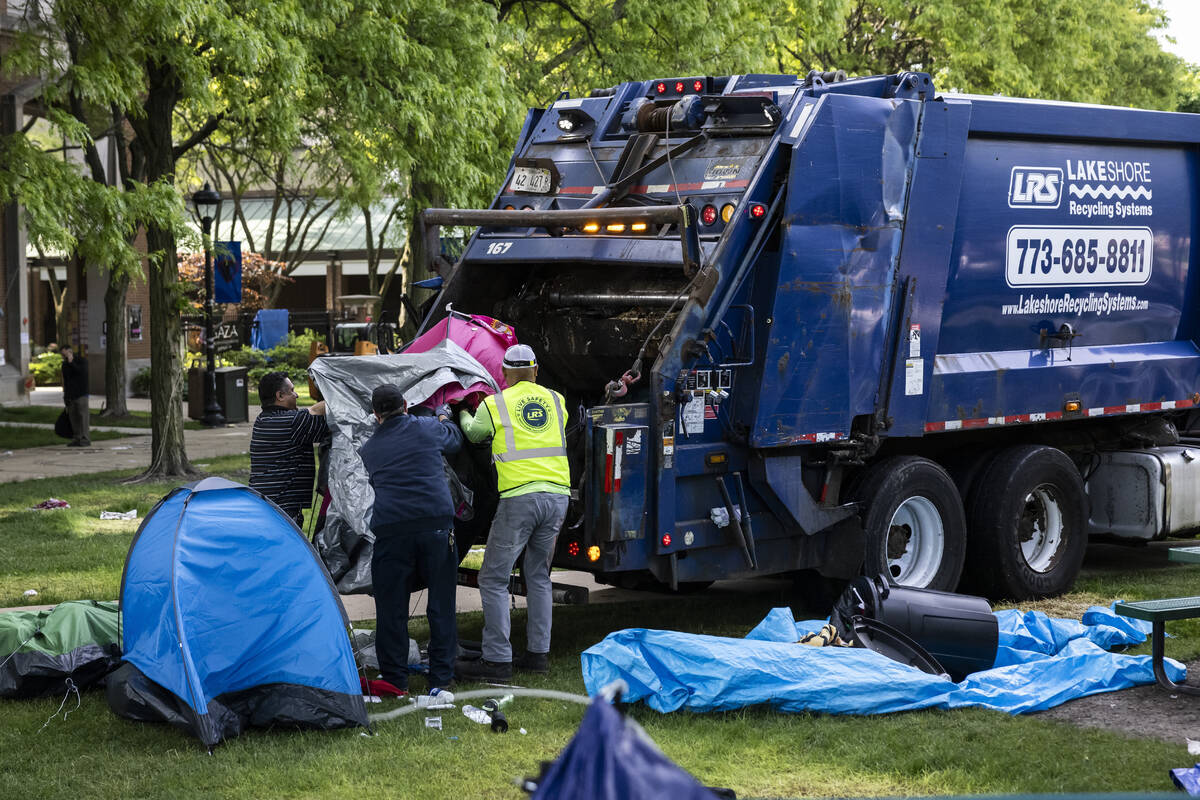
[(207, 201)]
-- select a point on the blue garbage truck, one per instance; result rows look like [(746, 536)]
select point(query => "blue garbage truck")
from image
[(852, 325)]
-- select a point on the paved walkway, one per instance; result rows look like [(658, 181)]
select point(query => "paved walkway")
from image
[(60, 461), (128, 452)]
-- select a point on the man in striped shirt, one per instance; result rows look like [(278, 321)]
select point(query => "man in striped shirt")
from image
[(282, 467)]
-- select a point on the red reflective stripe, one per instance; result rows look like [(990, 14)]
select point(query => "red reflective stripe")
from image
[(608, 461), (618, 449), (1010, 419)]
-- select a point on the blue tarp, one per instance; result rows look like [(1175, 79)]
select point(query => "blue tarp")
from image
[(270, 328), (1041, 662)]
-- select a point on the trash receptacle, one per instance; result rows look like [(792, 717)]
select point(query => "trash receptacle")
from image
[(231, 393), (958, 630), (195, 401)]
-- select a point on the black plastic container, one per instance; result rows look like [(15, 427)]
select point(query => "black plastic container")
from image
[(958, 630)]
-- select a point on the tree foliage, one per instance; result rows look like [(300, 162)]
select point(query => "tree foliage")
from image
[(1097, 51), (388, 85), (260, 278), (421, 99)]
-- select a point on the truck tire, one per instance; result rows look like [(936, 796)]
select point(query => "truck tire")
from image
[(914, 523), (1028, 524)]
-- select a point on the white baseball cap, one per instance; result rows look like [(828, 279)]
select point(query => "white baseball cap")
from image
[(519, 355)]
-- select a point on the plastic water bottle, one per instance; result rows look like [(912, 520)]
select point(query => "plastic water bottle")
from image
[(476, 714)]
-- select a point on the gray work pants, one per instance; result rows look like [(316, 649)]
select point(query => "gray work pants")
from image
[(529, 521), (80, 416)]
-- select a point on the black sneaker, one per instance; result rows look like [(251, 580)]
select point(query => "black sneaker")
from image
[(533, 662), (482, 670)]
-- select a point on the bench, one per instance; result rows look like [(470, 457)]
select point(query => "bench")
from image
[(1188, 555), (1157, 612)]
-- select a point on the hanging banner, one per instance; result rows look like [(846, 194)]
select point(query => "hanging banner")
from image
[(227, 272)]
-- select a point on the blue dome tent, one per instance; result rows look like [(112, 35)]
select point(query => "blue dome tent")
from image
[(230, 620)]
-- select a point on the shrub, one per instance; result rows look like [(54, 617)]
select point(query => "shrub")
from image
[(298, 376), (294, 351), (47, 369), (245, 357), (141, 383)]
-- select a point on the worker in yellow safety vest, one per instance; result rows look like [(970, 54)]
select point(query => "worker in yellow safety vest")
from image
[(527, 425)]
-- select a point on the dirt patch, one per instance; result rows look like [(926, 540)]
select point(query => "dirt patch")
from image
[(1149, 712)]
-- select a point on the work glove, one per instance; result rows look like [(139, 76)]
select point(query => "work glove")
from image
[(442, 411)]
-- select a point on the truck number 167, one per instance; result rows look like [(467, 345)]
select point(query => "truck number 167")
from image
[(496, 248)]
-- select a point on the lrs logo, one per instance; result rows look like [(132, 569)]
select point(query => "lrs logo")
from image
[(1035, 187)]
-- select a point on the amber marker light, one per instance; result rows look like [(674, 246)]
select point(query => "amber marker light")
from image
[(615, 227), (637, 227), (591, 227), (593, 553)]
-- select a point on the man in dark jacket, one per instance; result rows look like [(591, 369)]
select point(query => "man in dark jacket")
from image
[(75, 396), (281, 446), (413, 523)]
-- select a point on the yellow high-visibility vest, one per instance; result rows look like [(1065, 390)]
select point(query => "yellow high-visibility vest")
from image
[(530, 443)]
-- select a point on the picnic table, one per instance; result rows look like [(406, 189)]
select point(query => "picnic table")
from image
[(1157, 612)]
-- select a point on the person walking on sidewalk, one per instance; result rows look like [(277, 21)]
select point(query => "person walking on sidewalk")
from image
[(75, 396), (527, 423), (413, 523), (282, 468)]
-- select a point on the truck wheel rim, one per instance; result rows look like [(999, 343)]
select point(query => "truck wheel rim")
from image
[(1040, 529), (915, 542)]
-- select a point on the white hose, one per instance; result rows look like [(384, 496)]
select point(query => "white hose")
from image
[(545, 694)]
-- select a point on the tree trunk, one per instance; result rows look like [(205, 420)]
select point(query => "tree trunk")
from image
[(116, 348), (168, 455), (424, 194)]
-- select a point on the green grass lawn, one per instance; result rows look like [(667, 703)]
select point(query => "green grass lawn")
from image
[(12, 438), (46, 415), (757, 751)]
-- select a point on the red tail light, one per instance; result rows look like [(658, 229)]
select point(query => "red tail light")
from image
[(697, 86), (573, 549), (679, 86), (708, 215), (758, 211), (666, 540), (661, 88)]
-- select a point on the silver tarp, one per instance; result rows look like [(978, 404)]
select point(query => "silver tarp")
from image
[(345, 543)]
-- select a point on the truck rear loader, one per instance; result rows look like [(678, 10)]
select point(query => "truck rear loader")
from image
[(852, 325)]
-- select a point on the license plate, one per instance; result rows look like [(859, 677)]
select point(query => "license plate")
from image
[(531, 179)]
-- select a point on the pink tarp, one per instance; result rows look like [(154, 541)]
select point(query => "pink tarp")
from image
[(484, 338)]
